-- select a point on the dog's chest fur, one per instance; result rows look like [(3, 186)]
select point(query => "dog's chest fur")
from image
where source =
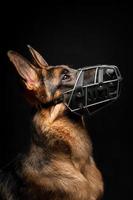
[(61, 139), (62, 142)]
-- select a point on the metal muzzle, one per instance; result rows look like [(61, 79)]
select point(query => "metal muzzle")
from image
[(95, 87)]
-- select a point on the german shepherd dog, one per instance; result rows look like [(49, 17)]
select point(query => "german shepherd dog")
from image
[(59, 163)]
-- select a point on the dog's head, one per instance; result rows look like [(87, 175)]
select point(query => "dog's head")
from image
[(44, 81)]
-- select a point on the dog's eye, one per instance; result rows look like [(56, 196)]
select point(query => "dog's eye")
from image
[(65, 77)]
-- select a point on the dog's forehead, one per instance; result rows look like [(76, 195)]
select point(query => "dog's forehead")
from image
[(56, 71), (59, 67)]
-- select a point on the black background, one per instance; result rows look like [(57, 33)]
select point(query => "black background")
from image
[(79, 34)]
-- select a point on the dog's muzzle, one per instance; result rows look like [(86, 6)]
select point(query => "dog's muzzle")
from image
[(95, 88)]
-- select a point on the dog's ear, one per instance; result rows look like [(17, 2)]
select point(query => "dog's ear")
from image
[(38, 58), (26, 70)]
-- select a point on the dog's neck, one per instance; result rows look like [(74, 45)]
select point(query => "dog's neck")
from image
[(48, 116)]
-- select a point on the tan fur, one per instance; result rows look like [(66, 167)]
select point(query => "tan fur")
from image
[(74, 173), (62, 166)]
